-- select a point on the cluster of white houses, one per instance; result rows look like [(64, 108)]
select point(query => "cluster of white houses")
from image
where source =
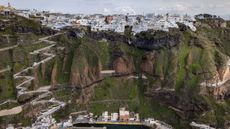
[(123, 116), (138, 23), (116, 22)]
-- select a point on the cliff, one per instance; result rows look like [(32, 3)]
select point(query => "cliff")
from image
[(173, 65), (86, 67), (153, 40)]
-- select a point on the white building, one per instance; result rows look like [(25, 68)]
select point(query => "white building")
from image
[(114, 116), (105, 116)]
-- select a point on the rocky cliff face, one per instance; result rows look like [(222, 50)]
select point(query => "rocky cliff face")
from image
[(219, 84), (153, 40), (111, 36), (221, 76), (173, 53), (147, 65), (86, 66), (54, 76), (85, 76), (122, 66)]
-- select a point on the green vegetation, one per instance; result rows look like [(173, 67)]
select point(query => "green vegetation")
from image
[(162, 63), (184, 51), (7, 89), (19, 118), (218, 111), (111, 89), (105, 53), (7, 86), (67, 95), (8, 106), (113, 94)]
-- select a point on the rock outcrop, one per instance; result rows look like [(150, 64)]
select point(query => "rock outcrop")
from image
[(36, 77), (86, 76), (86, 67), (54, 76), (155, 40), (110, 36), (147, 65), (123, 66), (222, 92), (219, 85)]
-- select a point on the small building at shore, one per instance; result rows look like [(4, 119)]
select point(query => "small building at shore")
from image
[(123, 115)]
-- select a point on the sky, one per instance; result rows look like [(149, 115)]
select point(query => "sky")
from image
[(219, 7)]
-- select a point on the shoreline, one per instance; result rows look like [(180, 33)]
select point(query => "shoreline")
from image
[(113, 124)]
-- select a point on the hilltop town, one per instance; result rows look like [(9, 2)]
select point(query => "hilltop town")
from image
[(100, 22), (116, 23)]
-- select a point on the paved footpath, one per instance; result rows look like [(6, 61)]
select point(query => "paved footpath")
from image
[(12, 111), (8, 48), (22, 89)]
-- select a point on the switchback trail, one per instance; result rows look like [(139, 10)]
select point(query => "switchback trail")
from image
[(22, 87)]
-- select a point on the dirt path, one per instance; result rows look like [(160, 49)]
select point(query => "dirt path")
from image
[(8, 101), (8, 48), (13, 111), (5, 70)]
